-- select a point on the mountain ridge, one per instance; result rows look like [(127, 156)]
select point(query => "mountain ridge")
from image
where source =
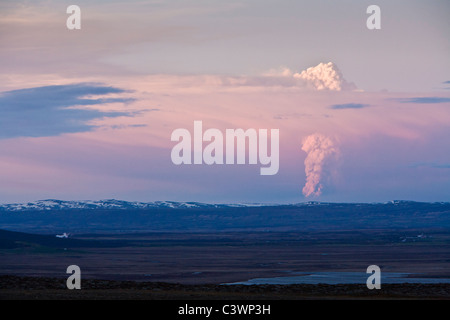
[(55, 204), (116, 216)]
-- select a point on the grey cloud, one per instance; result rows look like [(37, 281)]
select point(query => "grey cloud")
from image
[(124, 126), (349, 106), (294, 115), (431, 165), (48, 110), (424, 100)]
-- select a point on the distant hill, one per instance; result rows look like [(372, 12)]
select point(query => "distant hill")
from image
[(56, 216)]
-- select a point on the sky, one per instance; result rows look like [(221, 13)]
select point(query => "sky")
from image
[(363, 115)]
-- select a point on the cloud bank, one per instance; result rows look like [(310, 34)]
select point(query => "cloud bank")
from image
[(323, 77), (53, 110), (321, 151)]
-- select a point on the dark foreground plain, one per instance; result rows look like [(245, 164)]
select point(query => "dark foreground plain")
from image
[(195, 265), (39, 288)]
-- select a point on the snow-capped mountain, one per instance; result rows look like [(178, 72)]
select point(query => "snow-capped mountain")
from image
[(52, 204), (115, 216)]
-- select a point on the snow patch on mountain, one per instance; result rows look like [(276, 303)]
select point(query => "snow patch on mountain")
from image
[(52, 204)]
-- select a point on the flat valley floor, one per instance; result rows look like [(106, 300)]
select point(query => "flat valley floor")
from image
[(195, 265)]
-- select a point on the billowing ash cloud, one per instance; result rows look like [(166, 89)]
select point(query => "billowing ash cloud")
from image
[(325, 76), (321, 153)]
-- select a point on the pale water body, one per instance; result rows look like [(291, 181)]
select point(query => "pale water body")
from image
[(340, 278)]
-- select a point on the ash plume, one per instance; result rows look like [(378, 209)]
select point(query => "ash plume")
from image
[(321, 153), (325, 76)]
